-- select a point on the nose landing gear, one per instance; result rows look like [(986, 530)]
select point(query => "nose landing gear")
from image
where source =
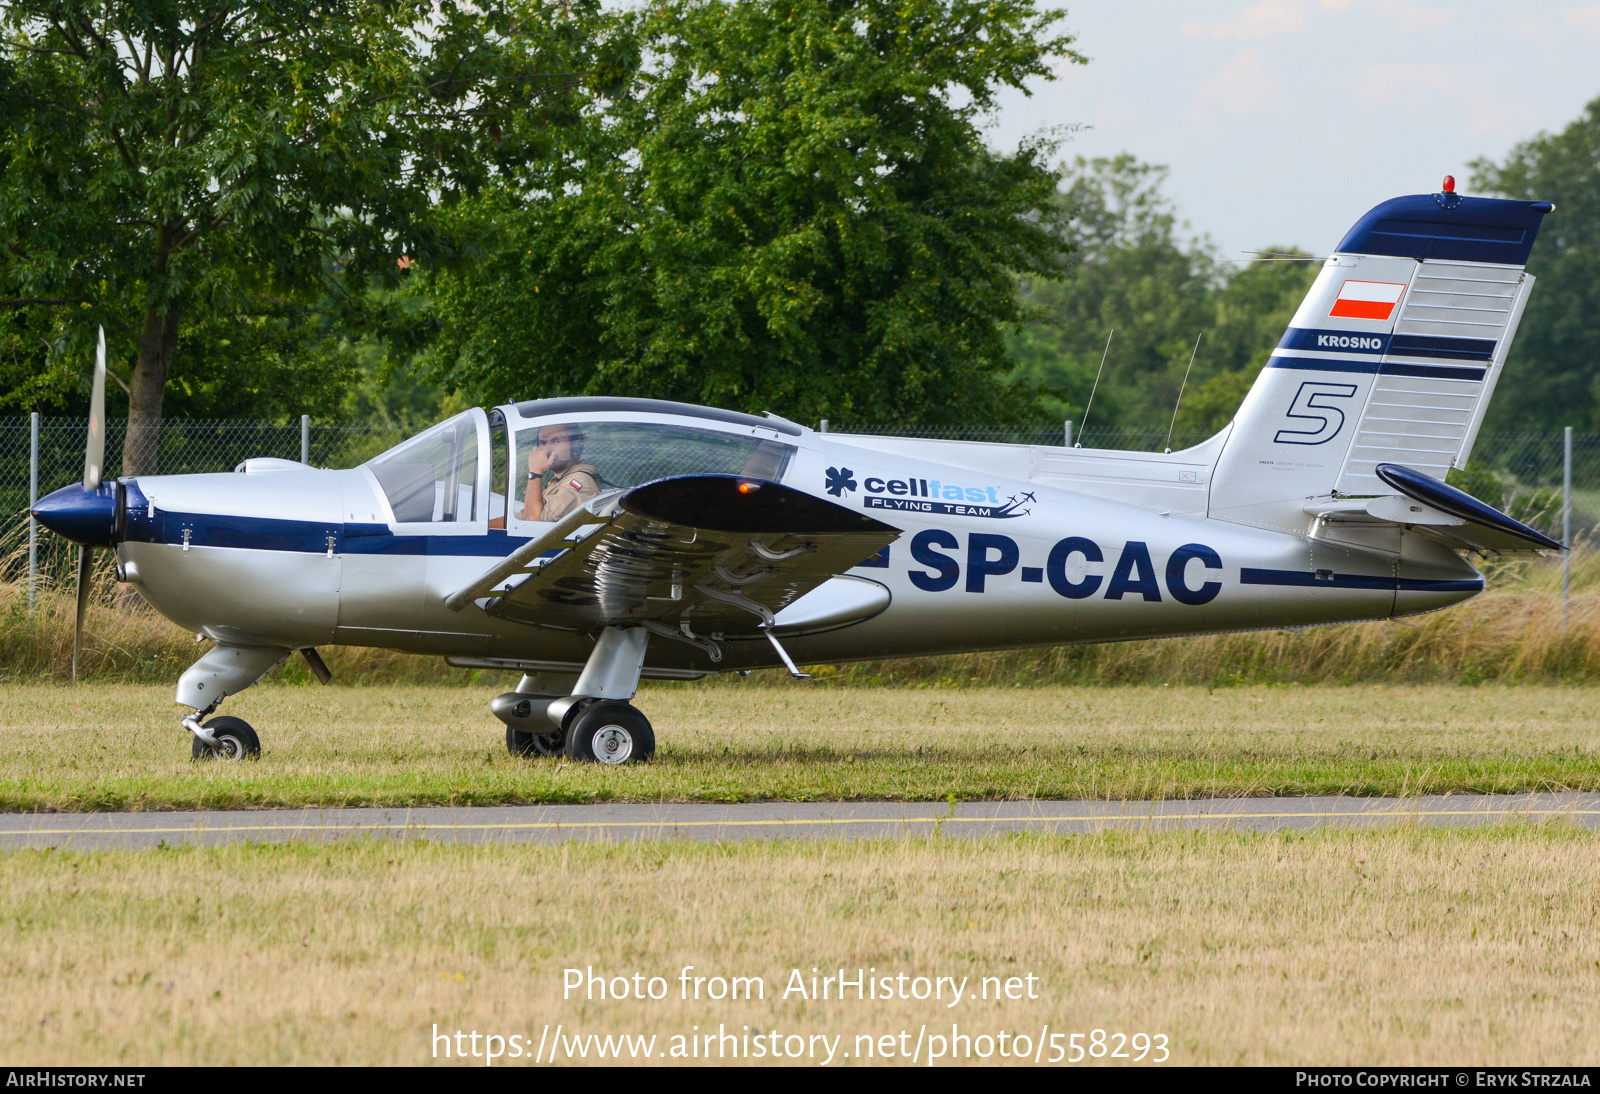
[(223, 671)]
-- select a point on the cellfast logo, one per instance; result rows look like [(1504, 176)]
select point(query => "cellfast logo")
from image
[(918, 495)]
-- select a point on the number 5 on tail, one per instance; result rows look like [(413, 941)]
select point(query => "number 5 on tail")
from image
[(1312, 405)]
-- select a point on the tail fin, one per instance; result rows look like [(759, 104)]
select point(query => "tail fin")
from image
[(1392, 357)]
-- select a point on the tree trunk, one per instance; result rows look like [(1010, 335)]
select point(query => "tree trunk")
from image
[(158, 340)]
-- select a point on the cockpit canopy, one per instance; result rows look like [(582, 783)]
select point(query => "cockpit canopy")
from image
[(433, 477), (478, 467)]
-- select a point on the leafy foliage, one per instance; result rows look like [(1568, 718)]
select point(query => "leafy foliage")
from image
[(791, 208), (1550, 378), (1132, 271), (167, 162)]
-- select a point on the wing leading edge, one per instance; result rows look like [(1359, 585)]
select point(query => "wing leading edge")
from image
[(687, 557)]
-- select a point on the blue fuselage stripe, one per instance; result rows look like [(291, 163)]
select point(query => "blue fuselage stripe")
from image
[(307, 537), (1300, 579)]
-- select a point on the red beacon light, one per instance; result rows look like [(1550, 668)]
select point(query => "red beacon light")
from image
[(1449, 184), (749, 487)]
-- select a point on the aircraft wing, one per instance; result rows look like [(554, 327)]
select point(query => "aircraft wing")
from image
[(1443, 513), (718, 553)]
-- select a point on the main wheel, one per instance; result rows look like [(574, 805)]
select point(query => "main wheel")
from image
[(522, 743), (611, 732), (235, 741)]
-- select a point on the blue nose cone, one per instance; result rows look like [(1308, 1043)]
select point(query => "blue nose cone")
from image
[(83, 516)]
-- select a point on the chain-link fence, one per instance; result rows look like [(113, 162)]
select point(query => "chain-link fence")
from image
[(185, 446), (49, 450), (1518, 472)]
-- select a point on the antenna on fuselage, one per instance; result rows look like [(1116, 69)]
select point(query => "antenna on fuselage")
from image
[(1181, 386), (1096, 387)]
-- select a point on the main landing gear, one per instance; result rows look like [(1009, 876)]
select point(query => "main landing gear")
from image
[(588, 717), (605, 731)]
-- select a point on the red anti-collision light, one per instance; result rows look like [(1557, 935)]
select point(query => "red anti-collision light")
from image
[(1449, 184), (749, 487)]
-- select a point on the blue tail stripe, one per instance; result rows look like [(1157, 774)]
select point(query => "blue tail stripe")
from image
[(1397, 345)]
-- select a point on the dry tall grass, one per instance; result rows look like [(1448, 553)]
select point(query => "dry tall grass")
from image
[(1513, 633), (1393, 947)]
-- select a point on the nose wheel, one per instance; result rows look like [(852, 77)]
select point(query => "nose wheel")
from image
[(610, 732), (234, 738)]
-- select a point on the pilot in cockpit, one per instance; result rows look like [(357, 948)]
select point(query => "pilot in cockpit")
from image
[(557, 482)]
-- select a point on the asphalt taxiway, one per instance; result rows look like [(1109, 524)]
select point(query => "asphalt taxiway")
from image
[(776, 820)]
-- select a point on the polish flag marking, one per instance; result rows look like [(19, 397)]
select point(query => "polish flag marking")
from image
[(1367, 300)]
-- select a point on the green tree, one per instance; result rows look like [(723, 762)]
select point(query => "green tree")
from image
[(1552, 376), (176, 169), (1129, 272), (1131, 269), (792, 208)]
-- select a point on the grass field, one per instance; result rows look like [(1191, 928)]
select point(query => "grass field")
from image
[(1403, 946), (102, 746)]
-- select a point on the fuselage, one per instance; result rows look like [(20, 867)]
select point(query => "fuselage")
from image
[(1000, 546)]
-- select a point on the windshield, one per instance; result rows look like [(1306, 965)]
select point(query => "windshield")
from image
[(433, 477)]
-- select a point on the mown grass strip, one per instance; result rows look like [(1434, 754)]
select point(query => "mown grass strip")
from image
[(119, 747)]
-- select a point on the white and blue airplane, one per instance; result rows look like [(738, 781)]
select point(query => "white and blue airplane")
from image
[(589, 542)]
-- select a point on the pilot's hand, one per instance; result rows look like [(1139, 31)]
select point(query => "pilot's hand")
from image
[(540, 458)]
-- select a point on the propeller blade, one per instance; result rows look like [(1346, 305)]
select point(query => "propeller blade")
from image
[(94, 454), (85, 564)]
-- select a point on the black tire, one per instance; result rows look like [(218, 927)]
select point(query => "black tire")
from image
[(610, 732), (522, 743), (235, 741)]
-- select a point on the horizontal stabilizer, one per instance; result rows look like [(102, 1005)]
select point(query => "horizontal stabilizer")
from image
[(1484, 527)]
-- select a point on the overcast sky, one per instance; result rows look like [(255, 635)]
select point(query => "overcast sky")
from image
[(1285, 120)]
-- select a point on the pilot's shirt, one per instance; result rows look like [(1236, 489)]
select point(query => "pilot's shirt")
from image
[(569, 488)]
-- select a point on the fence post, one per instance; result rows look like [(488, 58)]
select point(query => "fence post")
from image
[(33, 499), (1069, 433), (1566, 522), (824, 428), (305, 439)]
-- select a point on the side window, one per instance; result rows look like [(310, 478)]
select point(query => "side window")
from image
[(433, 477), (560, 465)]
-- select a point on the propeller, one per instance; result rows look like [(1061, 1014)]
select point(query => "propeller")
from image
[(94, 459)]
